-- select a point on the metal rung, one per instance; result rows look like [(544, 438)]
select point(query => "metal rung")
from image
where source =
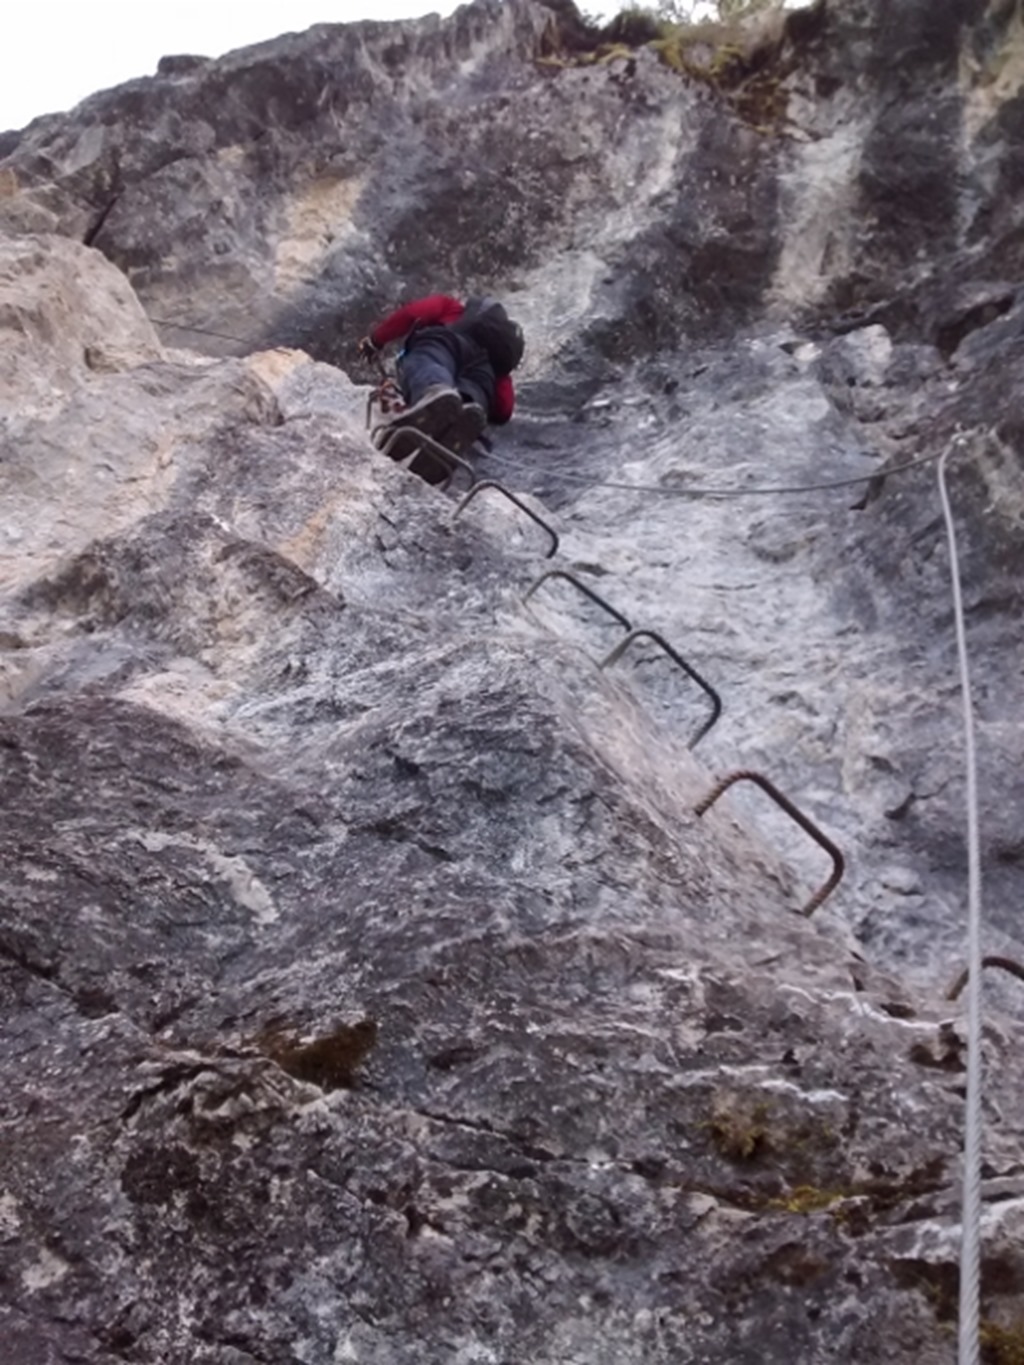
[(838, 862), (581, 587), (500, 488), (453, 461), (1005, 964), (663, 644)]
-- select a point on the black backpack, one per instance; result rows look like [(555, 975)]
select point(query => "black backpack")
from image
[(486, 322)]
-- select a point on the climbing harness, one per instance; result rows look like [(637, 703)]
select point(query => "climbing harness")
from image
[(819, 837), (385, 394), (970, 1242)]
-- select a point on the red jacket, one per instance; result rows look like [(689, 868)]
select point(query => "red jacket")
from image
[(440, 310)]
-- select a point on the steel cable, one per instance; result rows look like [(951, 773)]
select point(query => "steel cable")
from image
[(711, 492), (201, 331), (564, 477), (970, 1237)]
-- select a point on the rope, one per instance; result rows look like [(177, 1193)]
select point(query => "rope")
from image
[(203, 331), (711, 492), (970, 1243)]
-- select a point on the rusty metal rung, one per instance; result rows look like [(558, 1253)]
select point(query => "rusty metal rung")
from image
[(838, 862), (453, 461), (500, 488), (580, 587), (1006, 964), (663, 644)]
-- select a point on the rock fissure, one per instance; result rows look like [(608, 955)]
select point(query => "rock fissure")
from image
[(96, 227)]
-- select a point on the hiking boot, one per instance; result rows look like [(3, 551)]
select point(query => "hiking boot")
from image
[(468, 425), (434, 411), (433, 415), (406, 442)]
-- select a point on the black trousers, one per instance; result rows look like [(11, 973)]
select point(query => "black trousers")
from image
[(435, 355)]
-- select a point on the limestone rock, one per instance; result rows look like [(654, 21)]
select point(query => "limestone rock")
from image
[(372, 989), (64, 310)]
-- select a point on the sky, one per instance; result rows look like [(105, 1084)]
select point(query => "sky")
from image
[(53, 53)]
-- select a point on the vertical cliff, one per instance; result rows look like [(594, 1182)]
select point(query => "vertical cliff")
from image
[(373, 989)]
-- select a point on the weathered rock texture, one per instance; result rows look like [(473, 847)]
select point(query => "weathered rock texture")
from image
[(371, 991)]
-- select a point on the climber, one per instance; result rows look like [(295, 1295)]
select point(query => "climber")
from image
[(454, 370)]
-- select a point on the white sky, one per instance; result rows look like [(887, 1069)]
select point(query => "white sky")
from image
[(54, 53)]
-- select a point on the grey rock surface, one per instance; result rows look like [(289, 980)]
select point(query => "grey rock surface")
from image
[(372, 990)]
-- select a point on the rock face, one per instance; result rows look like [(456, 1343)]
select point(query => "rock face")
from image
[(372, 990)]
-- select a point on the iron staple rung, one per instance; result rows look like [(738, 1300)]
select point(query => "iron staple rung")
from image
[(635, 634), (1006, 964), (500, 488), (642, 632), (454, 462), (582, 587), (808, 826)]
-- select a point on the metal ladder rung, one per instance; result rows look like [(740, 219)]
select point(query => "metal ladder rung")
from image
[(642, 633), (500, 488), (453, 461), (838, 862), (580, 587), (1006, 964)]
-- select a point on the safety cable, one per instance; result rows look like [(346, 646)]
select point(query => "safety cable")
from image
[(970, 1238), (711, 492), (202, 331), (564, 477)]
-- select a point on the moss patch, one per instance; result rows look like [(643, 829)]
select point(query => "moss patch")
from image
[(808, 1199), (1001, 1345), (739, 1131), (748, 1128), (742, 62)]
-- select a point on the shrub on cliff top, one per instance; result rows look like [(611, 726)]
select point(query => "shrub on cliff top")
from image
[(733, 46)]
